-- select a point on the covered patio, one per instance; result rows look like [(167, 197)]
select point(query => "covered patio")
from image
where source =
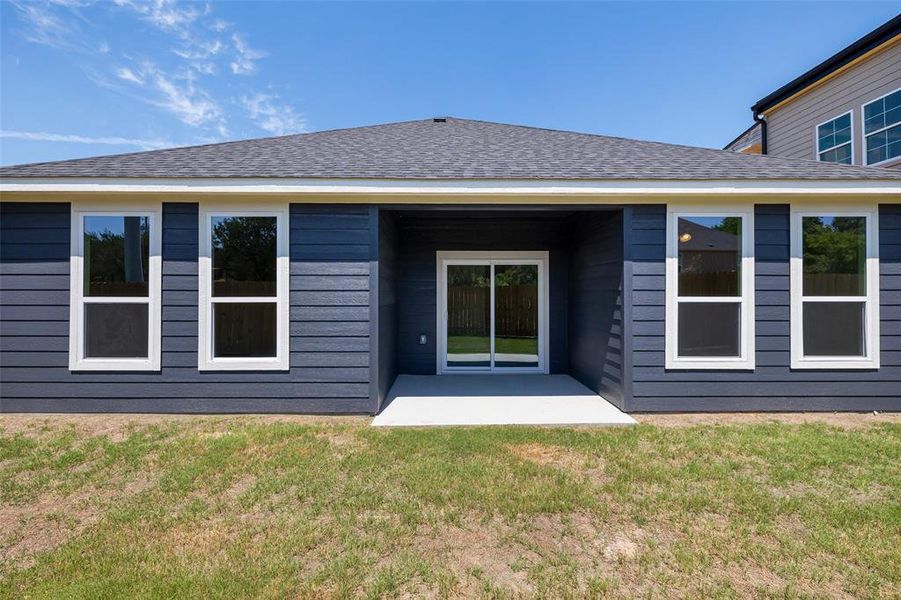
[(495, 399), (500, 315)]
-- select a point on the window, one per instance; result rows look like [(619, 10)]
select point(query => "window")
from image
[(710, 289), (115, 290), (882, 129), (835, 289), (244, 289), (834, 140)]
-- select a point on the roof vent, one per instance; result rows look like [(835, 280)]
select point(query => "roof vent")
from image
[(439, 120)]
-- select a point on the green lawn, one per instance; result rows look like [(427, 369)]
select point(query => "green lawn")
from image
[(461, 344), (267, 507)]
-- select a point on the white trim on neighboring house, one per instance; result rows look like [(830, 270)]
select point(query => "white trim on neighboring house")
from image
[(863, 130), (77, 299), (205, 359), (539, 258), (320, 190), (816, 138), (871, 329), (746, 358)]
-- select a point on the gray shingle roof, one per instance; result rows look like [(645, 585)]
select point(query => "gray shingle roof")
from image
[(455, 149)]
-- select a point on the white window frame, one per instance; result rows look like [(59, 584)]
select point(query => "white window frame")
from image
[(863, 129), (443, 258), (205, 358), (77, 299), (816, 138), (869, 211), (746, 358)]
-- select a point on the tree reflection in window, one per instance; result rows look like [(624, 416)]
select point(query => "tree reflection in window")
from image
[(244, 256), (116, 255), (834, 256)]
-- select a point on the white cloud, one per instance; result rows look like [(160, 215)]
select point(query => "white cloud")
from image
[(164, 14), (185, 70), (41, 136), (191, 105), (204, 50), (44, 25), (278, 119), (129, 75), (244, 63)]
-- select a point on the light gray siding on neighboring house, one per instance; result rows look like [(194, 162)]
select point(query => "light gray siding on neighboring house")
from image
[(773, 385), (329, 323), (790, 130)]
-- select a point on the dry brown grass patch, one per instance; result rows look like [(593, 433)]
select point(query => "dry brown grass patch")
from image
[(52, 519), (841, 420)]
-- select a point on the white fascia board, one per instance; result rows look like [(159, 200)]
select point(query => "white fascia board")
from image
[(448, 187)]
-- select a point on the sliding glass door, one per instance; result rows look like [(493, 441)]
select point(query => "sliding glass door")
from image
[(492, 312)]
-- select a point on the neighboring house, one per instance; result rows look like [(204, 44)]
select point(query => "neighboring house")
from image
[(847, 109), (304, 273)]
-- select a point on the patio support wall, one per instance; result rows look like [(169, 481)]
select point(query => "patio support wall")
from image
[(596, 303)]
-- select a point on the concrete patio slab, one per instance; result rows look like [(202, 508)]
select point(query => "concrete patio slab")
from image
[(420, 400)]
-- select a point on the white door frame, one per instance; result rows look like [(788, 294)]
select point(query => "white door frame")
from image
[(445, 258)]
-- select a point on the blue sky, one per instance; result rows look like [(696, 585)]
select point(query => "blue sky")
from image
[(81, 78)]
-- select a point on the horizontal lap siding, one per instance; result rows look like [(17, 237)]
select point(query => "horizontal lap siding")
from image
[(329, 323), (422, 236), (773, 385), (389, 243), (595, 304), (34, 297), (790, 128)]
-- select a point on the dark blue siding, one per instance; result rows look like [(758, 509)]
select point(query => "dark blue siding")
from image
[(595, 303), (329, 324), (389, 249), (773, 385), (423, 234)]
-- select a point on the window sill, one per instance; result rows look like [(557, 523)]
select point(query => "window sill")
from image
[(114, 365), (841, 363), (709, 364), (244, 365)]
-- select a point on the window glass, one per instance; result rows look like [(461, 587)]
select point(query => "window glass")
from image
[(834, 140), (116, 256), (244, 329), (116, 330), (709, 329), (709, 256), (468, 315), (834, 259), (244, 256), (882, 128), (884, 145), (834, 329), (516, 316)]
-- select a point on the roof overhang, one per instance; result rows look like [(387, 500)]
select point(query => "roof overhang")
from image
[(392, 191)]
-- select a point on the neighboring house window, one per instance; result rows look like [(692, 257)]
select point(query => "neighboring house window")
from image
[(115, 290), (243, 289), (882, 128), (834, 140), (710, 289), (835, 289)]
